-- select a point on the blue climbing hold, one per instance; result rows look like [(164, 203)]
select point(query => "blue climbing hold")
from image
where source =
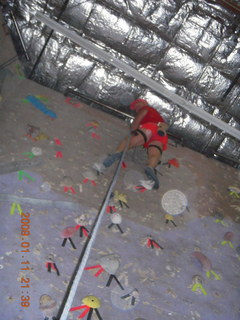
[(40, 106)]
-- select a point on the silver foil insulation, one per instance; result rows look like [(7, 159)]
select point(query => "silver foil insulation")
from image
[(190, 47)]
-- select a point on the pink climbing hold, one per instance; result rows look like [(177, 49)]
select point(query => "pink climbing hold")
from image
[(58, 154), (58, 142), (68, 232)]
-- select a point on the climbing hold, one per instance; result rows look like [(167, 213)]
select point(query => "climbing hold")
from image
[(14, 206), (197, 279), (93, 124), (234, 191), (58, 142), (37, 151), (92, 302), (47, 305), (174, 202), (42, 98), (110, 263), (228, 236), (66, 181), (206, 264), (68, 232), (125, 299), (90, 175), (172, 162), (51, 265), (22, 173), (197, 286), (219, 216), (45, 186), (168, 218), (116, 218), (73, 102), (204, 261), (58, 154), (121, 198), (40, 106)]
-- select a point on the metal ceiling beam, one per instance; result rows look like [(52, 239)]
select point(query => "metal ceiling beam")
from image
[(229, 4), (152, 84)]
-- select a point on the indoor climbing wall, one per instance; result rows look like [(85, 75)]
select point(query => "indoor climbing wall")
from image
[(171, 253)]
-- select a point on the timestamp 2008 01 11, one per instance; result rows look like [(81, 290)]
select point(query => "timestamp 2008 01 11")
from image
[(25, 264)]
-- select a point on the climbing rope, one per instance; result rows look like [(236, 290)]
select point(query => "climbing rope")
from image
[(77, 274)]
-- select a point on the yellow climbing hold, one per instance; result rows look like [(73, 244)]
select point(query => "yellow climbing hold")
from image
[(208, 274), (120, 197), (14, 206), (42, 136), (169, 217), (95, 123), (199, 286), (227, 242), (92, 302), (222, 222)]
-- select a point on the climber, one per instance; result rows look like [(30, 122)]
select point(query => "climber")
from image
[(148, 129)]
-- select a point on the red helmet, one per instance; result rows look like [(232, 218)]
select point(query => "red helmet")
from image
[(133, 104)]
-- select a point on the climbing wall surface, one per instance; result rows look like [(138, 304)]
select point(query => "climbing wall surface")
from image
[(155, 263)]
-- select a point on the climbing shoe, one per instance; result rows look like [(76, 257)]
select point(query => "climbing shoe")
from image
[(99, 167), (111, 159), (150, 173)]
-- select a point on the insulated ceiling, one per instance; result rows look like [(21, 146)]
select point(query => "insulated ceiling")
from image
[(191, 48)]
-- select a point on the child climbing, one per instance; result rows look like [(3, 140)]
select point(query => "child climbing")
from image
[(148, 130)]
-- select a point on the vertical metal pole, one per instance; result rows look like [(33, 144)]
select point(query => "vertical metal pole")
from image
[(45, 6), (46, 42), (20, 36), (235, 80)]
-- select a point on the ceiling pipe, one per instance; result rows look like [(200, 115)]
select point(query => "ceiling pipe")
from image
[(235, 80), (98, 102), (47, 40), (20, 36), (177, 139)]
